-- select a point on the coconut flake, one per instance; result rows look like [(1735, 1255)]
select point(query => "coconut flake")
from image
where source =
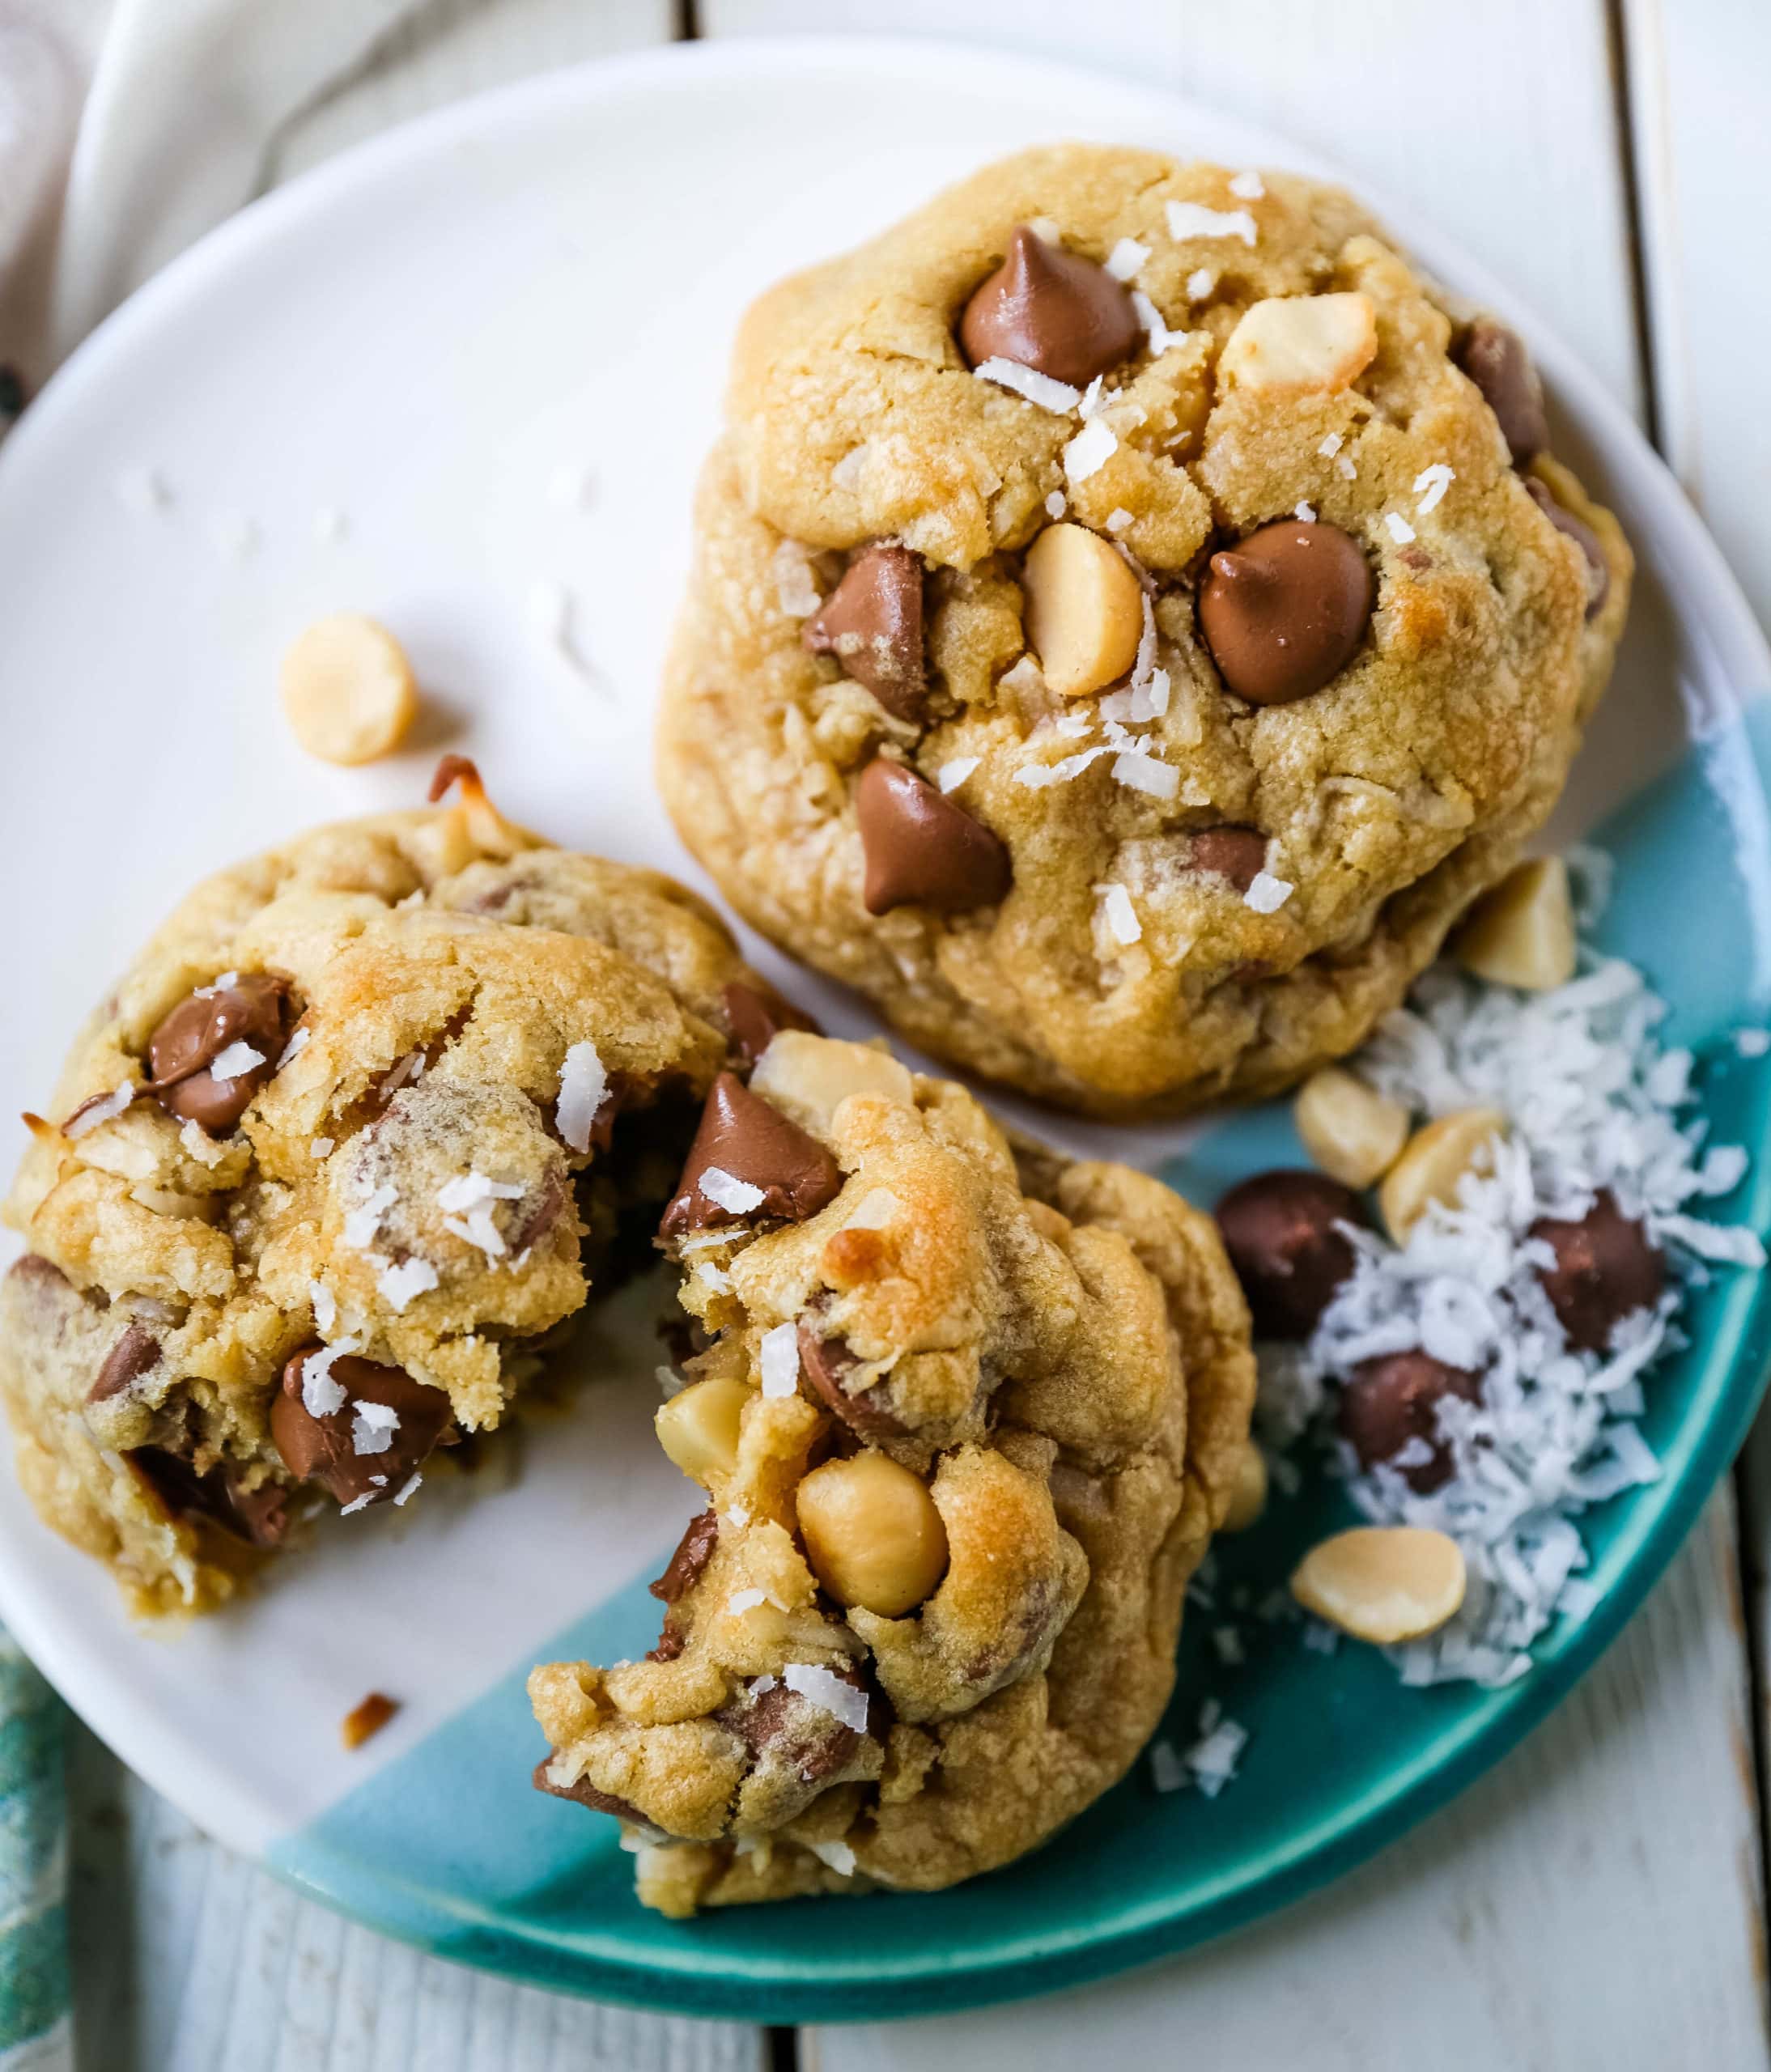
[(1201, 283), (1398, 528), (824, 1688), (837, 1854), (1188, 219), (1267, 894), (1305, 510), (1153, 324), (321, 1147), (1126, 258), (1430, 485), (1168, 1772), (199, 1145), (1118, 519), (1055, 505), (1751, 1043), (582, 1083), (736, 1197), (363, 1223), (1344, 467), (1089, 450), (399, 1285), (87, 1118), (239, 1058), (360, 1503), (1138, 772), (1028, 383), (952, 775), (1122, 920), (1247, 187), (780, 1355), (407, 1488), (469, 1189), (795, 590), (295, 1046), (741, 1601), (219, 985), (320, 1395), (373, 1426), (325, 1305), (1330, 445)]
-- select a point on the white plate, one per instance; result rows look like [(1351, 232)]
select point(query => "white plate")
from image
[(439, 336)]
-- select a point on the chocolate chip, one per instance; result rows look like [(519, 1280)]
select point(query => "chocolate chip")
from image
[(1051, 310), (1279, 1229), (92, 1101), (1496, 360), (672, 1642), (1237, 853), (755, 1013), (695, 1550), (254, 1010), (872, 623), (920, 849), (1605, 1269), (583, 1793), (795, 1734), (746, 1138), (137, 1352), (1395, 1398), (1597, 569), (258, 1516), (824, 1362), (1284, 611), (323, 1449)]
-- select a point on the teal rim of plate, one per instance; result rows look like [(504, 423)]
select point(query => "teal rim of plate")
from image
[(451, 1849)]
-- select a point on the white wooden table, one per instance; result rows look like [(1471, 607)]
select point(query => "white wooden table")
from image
[(1599, 1901)]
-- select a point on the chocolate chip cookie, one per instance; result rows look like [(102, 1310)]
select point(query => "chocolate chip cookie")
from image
[(349, 1141), (966, 1414), (1134, 613)]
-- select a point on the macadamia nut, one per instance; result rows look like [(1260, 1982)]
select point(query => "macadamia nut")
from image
[(347, 689)]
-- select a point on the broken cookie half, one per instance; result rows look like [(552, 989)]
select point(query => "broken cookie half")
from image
[(965, 1415)]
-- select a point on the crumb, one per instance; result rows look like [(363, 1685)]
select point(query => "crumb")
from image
[(367, 1719)]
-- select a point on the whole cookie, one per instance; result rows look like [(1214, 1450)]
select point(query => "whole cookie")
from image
[(352, 1136), (1133, 614), (966, 1416)]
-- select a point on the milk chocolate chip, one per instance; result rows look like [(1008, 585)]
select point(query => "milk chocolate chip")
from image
[(253, 1010), (755, 1013), (1237, 853), (1395, 1398), (749, 1141), (872, 623), (1050, 310), (134, 1354), (695, 1550), (1284, 611), (1496, 360), (1279, 1228), (1605, 1268), (259, 1516), (920, 849), (1598, 571), (323, 1450), (583, 1793), (824, 1362)]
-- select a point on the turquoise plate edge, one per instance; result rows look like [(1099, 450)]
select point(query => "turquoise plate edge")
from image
[(552, 1903)]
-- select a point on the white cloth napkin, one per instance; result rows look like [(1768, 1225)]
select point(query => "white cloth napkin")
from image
[(129, 127)]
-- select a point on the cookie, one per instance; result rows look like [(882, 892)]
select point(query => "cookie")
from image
[(966, 1414), (353, 1136), (1133, 613)]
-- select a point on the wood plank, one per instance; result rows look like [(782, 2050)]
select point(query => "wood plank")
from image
[(1594, 1903), (1697, 80), (188, 1959), (1498, 124)]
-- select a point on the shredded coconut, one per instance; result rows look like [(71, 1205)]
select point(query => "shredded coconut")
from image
[(1430, 485), (1267, 894), (1055, 505), (1247, 187), (372, 1427), (1118, 519), (1122, 918), (736, 1197), (1344, 468), (320, 1395), (358, 1503), (1168, 1772), (1089, 450), (741, 1601), (325, 1306), (1751, 1043), (839, 1856), (1143, 773), (795, 590), (824, 1687), (1200, 283), (1398, 528), (951, 776), (1306, 511), (1155, 328), (399, 1285), (583, 1083), (295, 1046), (364, 1223), (101, 1112), (1126, 258), (1330, 445), (219, 985), (779, 1354), (199, 1145), (1188, 219), (320, 1148), (1027, 382), (407, 1488), (235, 1062)]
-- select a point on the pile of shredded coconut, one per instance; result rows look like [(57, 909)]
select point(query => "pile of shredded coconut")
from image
[(1593, 1103)]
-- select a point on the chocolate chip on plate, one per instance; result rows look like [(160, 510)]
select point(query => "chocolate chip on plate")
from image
[(1279, 1228), (134, 1354), (252, 1011), (745, 1138), (824, 1362), (1496, 360), (920, 849), (324, 1449), (1284, 611), (755, 1014), (1395, 1397), (695, 1550), (1239, 854), (1605, 1269), (1597, 571), (1051, 310), (872, 623)]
